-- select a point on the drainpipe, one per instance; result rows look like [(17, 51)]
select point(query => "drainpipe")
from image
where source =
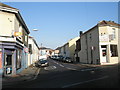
[(87, 48)]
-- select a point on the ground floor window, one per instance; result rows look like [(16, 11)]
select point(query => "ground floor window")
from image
[(18, 58), (113, 49)]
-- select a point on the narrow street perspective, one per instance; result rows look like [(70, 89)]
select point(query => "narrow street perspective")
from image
[(59, 45)]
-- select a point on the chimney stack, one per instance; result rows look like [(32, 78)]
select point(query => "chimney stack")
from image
[(80, 33)]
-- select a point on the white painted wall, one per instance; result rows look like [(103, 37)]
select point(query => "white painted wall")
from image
[(109, 30), (35, 52)]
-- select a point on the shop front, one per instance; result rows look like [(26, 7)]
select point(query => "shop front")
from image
[(10, 58)]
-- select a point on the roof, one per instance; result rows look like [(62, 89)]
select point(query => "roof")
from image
[(45, 48), (103, 23), (108, 23), (4, 5), (34, 40), (58, 48)]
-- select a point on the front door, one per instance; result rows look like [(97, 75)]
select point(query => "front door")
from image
[(8, 58), (104, 55)]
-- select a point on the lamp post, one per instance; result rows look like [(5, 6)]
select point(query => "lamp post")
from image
[(35, 29)]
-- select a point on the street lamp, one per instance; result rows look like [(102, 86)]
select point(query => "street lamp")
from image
[(35, 29)]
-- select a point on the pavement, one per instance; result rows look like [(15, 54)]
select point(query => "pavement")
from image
[(27, 74)]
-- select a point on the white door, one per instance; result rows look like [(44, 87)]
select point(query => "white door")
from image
[(103, 55)]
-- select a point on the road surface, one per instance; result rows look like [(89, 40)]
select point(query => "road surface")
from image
[(67, 75)]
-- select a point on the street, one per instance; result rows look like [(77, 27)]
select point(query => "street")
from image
[(68, 75), (59, 45)]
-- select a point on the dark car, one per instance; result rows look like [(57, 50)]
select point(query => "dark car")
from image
[(43, 62), (67, 59), (60, 58)]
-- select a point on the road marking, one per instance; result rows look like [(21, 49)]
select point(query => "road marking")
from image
[(89, 69), (36, 74), (66, 86), (61, 65), (71, 68), (64, 66), (50, 68), (55, 62)]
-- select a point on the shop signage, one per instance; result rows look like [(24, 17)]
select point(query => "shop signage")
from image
[(26, 50), (9, 70), (17, 33), (0, 60), (104, 38)]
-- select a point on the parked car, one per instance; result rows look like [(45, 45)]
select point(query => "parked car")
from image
[(67, 59), (43, 62), (60, 58), (53, 57)]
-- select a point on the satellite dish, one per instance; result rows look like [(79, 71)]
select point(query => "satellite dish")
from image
[(35, 29)]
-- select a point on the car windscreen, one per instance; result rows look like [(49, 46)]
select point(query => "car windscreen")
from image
[(43, 61)]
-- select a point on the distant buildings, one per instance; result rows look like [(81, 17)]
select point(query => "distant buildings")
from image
[(45, 52), (68, 49)]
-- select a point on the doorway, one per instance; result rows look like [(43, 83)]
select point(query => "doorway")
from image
[(8, 59), (103, 53)]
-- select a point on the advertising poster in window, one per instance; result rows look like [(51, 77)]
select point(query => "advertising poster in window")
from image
[(18, 58), (0, 60)]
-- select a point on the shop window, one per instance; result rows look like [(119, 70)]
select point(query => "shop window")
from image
[(18, 59), (114, 52), (8, 60)]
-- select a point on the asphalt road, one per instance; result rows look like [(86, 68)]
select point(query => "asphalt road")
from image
[(66, 75)]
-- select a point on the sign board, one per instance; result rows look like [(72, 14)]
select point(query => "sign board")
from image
[(104, 38), (26, 50), (8, 70), (0, 60), (17, 33)]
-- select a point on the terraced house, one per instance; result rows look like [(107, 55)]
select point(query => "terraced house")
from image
[(68, 49), (13, 41), (99, 45), (33, 55)]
